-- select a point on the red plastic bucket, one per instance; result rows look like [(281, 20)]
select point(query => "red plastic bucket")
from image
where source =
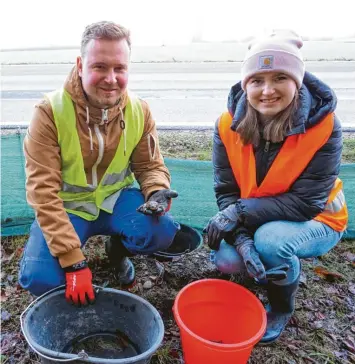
[(219, 321)]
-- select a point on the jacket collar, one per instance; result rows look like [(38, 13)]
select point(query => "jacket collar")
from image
[(316, 101)]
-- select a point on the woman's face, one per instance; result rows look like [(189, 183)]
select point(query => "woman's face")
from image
[(270, 92)]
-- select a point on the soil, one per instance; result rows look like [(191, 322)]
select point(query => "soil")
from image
[(321, 330)]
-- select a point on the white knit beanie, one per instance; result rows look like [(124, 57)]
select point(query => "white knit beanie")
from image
[(280, 52)]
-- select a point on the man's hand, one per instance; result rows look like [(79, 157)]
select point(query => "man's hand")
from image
[(224, 222), (79, 289), (158, 203)]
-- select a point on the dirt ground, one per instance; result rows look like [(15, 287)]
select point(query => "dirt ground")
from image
[(322, 329)]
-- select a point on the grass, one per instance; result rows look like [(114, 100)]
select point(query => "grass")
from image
[(198, 145), (349, 151), (186, 144)]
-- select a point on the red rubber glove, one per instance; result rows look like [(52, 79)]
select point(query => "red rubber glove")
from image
[(79, 289)]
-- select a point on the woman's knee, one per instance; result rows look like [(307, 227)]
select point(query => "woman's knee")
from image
[(227, 260), (271, 242)]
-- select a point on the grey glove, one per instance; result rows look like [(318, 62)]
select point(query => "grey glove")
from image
[(277, 273), (244, 245), (223, 223), (158, 203)]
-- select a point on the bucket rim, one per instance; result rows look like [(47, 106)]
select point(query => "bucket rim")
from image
[(91, 359), (170, 256), (252, 341)]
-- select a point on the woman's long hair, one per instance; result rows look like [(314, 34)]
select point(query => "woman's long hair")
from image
[(275, 130)]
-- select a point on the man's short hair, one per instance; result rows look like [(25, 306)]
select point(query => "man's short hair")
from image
[(104, 30)]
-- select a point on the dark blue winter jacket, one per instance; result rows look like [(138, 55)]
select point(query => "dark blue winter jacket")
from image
[(308, 195)]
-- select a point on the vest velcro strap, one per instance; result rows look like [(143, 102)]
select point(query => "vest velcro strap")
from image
[(111, 179), (88, 207), (337, 204), (66, 187), (110, 201)]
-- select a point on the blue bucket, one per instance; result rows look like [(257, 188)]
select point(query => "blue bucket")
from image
[(119, 328)]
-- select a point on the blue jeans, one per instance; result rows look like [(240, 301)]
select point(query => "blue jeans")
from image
[(140, 234), (279, 242)]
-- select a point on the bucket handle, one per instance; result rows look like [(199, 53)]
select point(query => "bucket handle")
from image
[(81, 355)]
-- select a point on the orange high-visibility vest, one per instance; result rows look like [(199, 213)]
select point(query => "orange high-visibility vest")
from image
[(293, 157)]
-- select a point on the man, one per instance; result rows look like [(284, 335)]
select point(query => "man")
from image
[(83, 146)]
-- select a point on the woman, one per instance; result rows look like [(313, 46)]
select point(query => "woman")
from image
[(276, 157)]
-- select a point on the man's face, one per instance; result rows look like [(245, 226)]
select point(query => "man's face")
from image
[(104, 71)]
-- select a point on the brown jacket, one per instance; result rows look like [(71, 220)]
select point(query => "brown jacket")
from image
[(43, 164)]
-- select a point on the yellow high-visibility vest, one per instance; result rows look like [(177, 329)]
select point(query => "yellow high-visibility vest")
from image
[(78, 196)]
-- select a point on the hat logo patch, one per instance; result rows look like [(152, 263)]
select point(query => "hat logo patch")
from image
[(266, 62)]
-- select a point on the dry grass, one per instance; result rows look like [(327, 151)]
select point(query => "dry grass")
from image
[(197, 144)]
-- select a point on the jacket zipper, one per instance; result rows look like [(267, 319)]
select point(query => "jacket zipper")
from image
[(105, 119), (100, 140), (264, 161), (266, 147)]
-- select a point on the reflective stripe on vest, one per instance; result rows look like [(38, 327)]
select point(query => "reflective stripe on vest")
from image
[(297, 151), (78, 196), (108, 179)]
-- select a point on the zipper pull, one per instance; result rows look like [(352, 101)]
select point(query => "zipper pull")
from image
[(104, 117), (267, 145)]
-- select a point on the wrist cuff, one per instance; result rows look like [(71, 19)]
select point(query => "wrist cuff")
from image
[(77, 266)]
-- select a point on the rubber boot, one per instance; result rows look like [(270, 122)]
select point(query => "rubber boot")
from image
[(280, 309), (123, 268)]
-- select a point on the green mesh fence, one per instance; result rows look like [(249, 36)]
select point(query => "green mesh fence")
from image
[(16, 215), (192, 179)]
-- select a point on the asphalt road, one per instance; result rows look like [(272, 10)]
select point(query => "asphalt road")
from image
[(179, 94)]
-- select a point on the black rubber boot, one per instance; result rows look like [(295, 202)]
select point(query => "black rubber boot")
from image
[(280, 309), (123, 267)]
